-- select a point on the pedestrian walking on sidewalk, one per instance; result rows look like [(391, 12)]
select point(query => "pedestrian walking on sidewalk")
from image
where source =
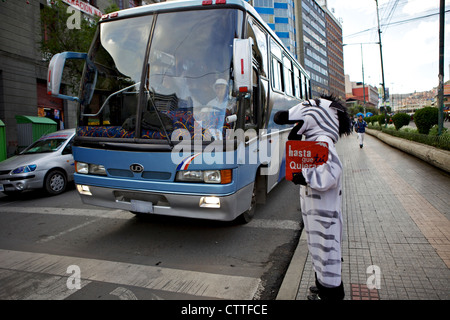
[(325, 120), (360, 128)]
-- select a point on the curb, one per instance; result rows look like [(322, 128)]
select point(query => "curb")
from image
[(291, 282), (434, 156)]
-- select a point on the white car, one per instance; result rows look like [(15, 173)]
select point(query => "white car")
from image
[(47, 163)]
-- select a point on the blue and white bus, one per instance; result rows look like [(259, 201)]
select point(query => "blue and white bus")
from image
[(175, 110)]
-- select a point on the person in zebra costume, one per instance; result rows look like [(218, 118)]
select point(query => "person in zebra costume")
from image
[(324, 119)]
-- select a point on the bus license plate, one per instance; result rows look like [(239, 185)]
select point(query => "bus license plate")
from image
[(142, 206)]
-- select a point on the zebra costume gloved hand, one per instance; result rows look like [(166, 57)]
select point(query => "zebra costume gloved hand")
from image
[(323, 119)]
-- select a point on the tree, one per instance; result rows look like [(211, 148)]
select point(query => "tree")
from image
[(400, 120), (65, 29), (425, 118)]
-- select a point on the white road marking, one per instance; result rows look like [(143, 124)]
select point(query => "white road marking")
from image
[(121, 214), (18, 285), (200, 284), (114, 214), (62, 233), (123, 294)]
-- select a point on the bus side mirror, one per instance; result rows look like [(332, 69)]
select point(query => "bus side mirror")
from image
[(55, 71), (242, 65)]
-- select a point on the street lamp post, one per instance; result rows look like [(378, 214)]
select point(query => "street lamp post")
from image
[(441, 68), (382, 68), (364, 86)]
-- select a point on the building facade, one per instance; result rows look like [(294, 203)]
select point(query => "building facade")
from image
[(360, 93), (335, 55), (312, 48), (279, 15), (313, 35)]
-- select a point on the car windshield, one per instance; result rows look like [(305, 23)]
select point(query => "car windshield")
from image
[(41, 146), (187, 76)]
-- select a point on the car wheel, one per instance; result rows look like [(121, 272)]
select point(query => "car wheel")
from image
[(55, 182)]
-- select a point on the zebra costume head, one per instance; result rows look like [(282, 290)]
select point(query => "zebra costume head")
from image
[(319, 117)]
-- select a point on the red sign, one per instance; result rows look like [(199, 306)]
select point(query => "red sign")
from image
[(84, 7), (304, 154)]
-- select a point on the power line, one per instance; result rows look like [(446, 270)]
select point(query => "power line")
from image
[(394, 23), (391, 13)]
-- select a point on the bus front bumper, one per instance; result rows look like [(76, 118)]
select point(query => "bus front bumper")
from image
[(213, 207)]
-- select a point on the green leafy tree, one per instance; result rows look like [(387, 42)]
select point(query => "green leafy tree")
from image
[(425, 118), (381, 119), (400, 120), (64, 29)]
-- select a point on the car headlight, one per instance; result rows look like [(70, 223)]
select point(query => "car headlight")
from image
[(89, 168), (81, 167), (25, 169), (206, 176)]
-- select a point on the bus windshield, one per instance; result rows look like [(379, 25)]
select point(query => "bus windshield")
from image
[(187, 79)]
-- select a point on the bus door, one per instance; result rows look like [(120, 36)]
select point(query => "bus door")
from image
[(260, 99)]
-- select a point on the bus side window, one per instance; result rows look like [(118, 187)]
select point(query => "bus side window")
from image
[(304, 88), (288, 89), (260, 49), (277, 66), (297, 83), (277, 79), (308, 89)]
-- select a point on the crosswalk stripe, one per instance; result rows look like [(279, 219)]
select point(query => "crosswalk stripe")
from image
[(113, 214), (17, 285), (207, 285), (121, 214)]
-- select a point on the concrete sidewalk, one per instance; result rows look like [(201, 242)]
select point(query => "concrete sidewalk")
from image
[(396, 211)]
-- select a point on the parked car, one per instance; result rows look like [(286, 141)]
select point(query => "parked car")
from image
[(47, 163)]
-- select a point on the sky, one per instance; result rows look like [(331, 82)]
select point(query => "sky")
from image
[(410, 50)]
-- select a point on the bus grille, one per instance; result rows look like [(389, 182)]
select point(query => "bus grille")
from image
[(149, 175)]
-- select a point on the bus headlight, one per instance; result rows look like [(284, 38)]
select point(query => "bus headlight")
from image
[(212, 176), (189, 176), (206, 176), (89, 168), (97, 169)]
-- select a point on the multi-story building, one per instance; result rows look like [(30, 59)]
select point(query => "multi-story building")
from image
[(312, 44), (312, 33), (360, 93), (335, 54), (279, 15)]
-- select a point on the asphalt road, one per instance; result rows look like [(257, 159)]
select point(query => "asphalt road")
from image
[(56, 248)]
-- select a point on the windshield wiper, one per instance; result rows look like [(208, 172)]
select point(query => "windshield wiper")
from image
[(152, 100), (106, 101)]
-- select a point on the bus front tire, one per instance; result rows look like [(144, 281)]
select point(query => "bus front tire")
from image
[(248, 215)]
